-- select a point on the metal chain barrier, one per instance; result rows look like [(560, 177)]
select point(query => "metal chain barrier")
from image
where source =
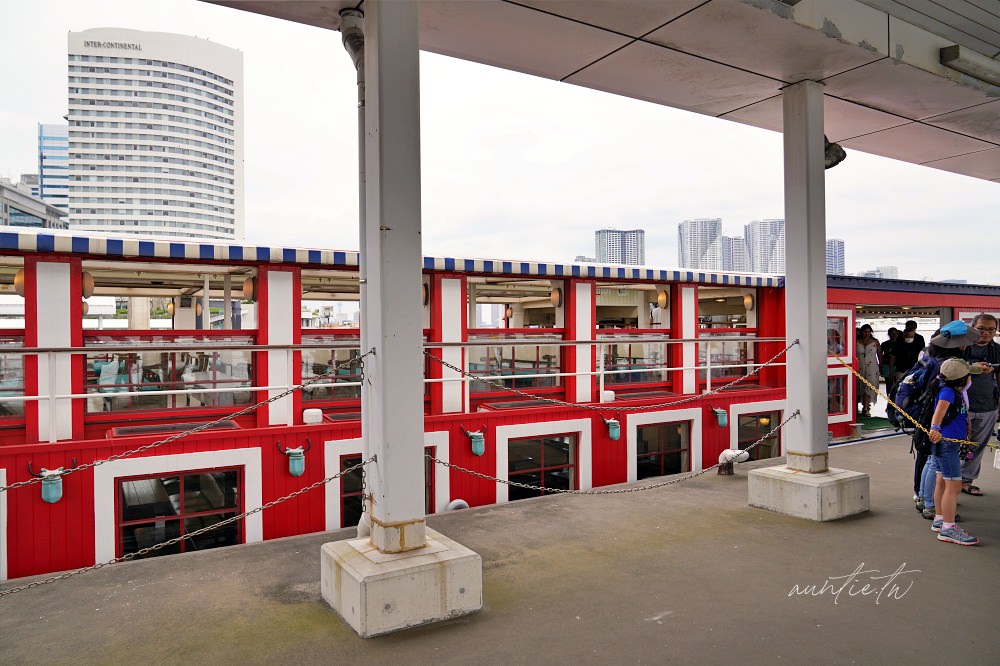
[(203, 426), (608, 491), (616, 408), (909, 418), (191, 535)]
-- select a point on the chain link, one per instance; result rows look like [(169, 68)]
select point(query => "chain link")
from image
[(616, 408), (902, 412), (190, 535), (608, 491), (204, 426)]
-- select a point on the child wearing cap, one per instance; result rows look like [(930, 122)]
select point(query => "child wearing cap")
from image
[(955, 376)]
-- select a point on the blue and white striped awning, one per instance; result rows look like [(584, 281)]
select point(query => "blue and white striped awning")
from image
[(597, 271), (133, 248)]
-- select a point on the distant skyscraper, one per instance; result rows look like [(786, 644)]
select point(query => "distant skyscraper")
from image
[(53, 165), (891, 272), (699, 244), (834, 256), (29, 181), (155, 135), (765, 241), (620, 247), (734, 254)]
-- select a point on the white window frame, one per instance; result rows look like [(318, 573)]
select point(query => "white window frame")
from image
[(106, 489), (693, 416), (579, 427), (741, 409)]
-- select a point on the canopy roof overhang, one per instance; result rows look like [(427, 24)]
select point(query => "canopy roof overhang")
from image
[(885, 89)]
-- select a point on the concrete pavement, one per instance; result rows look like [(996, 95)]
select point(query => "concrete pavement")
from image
[(687, 574)]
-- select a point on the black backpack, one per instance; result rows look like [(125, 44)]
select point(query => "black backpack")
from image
[(927, 403), (906, 394)]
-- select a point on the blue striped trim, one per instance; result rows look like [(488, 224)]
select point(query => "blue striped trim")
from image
[(204, 251)]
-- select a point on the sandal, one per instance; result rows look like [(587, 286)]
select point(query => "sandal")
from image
[(973, 490)]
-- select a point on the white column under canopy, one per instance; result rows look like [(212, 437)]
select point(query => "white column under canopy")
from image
[(805, 486)]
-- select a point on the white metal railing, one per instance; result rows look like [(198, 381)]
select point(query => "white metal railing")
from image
[(51, 355)]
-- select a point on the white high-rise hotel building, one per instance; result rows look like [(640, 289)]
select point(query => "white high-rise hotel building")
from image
[(155, 135)]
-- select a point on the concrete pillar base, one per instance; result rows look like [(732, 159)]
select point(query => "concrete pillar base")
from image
[(378, 593), (829, 495)]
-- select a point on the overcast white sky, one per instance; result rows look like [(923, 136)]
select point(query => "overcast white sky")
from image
[(514, 166)]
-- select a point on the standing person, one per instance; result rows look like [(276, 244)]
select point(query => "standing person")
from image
[(833, 345), (950, 420), (655, 316), (949, 341), (869, 363), (886, 349), (905, 351), (984, 397)]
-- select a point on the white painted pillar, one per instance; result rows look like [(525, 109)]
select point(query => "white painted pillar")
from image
[(138, 313), (227, 301), (689, 330), (281, 320), (206, 315), (54, 291), (393, 419), (473, 310), (805, 268), (580, 326), (452, 308)]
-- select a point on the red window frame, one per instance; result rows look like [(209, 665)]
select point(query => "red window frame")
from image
[(759, 429), (13, 339), (543, 469), (180, 516), (685, 434), (832, 394)]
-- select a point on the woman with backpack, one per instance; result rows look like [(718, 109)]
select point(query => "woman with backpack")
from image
[(950, 421)]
